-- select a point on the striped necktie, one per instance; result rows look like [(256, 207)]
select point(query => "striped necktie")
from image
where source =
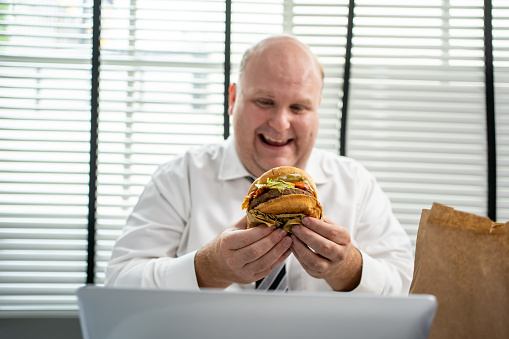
[(277, 280)]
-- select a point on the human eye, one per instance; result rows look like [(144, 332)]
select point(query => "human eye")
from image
[(264, 102), (298, 108)]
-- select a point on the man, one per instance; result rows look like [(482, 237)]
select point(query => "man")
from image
[(179, 233)]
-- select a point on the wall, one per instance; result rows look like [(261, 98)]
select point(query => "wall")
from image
[(40, 328)]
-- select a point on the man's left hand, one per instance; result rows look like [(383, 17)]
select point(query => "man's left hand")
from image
[(325, 251)]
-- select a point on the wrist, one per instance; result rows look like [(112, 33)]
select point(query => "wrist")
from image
[(207, 273), (350, 274)]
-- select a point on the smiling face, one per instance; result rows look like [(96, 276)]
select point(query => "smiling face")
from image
[(275, 106)]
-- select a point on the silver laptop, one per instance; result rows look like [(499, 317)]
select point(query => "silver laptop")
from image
[(118, 313)]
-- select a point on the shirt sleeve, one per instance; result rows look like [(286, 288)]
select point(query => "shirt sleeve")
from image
[(146, 253), (387, 256)]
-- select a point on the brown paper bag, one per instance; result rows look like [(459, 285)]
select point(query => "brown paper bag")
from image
[(463, 260)]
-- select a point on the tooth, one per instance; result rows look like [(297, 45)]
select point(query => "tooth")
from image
[(275, 140)]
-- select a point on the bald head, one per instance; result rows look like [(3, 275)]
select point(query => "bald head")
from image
[(279, 46), (275, 104)]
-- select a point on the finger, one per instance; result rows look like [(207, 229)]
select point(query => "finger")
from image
[(327, 229), (265, 272), (240, 238), (320, 245), (313, 263), (241, 224), (301, 250), (260, 248)]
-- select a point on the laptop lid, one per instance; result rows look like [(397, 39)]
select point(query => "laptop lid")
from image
[(120, 313)]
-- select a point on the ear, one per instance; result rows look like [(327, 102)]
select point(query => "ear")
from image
[(232, 96)]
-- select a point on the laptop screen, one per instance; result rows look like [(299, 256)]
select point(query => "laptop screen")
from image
[(118, 313)]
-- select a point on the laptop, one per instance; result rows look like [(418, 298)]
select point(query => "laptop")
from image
[(129, 313)]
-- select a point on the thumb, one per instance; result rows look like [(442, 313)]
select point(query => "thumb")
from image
[(241, 224)]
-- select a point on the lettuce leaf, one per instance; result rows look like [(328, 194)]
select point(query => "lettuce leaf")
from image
[(278, 184)]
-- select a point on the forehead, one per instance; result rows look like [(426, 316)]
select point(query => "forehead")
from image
[(279, 70), (282, 57)]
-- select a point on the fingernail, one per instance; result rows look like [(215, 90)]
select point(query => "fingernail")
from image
[(305, 221), (282, 233), (296, 229)]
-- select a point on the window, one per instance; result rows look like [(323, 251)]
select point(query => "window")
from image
[(416, 115), (161, 81), (45, 62), (415, 112), (501, 67)]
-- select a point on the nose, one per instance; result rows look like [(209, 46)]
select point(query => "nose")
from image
[(280, 119)]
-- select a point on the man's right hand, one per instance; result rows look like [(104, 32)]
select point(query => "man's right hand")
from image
[(241, 255)]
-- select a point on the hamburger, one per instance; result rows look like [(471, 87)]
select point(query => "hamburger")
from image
[(282, 197)]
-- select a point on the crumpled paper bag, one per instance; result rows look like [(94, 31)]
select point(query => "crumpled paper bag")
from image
[(463, 260)]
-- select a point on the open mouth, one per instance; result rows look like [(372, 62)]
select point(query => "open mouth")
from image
[(275, 142)]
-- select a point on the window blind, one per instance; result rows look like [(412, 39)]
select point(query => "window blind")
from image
[(45, 52), (162, 74), (323, 26), (501, 69), (416, 117)]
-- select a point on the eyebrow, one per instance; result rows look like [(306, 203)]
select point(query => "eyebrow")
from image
[(270, 95), (262, 92)]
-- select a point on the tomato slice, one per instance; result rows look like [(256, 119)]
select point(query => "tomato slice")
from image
[(302, 185), (258, 192)]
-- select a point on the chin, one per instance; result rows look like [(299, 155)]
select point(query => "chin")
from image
[(270, 158), (271, 163)]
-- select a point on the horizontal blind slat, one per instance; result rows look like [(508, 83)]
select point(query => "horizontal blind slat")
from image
[(44, 153), (416, 108)]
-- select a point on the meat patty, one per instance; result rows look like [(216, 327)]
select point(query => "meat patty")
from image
[(272, 194)]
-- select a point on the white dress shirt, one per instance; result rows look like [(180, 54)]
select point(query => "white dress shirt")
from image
[(192, 198)]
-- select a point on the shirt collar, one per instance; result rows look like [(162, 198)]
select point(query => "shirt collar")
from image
[(314, 167), (232, 168)]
